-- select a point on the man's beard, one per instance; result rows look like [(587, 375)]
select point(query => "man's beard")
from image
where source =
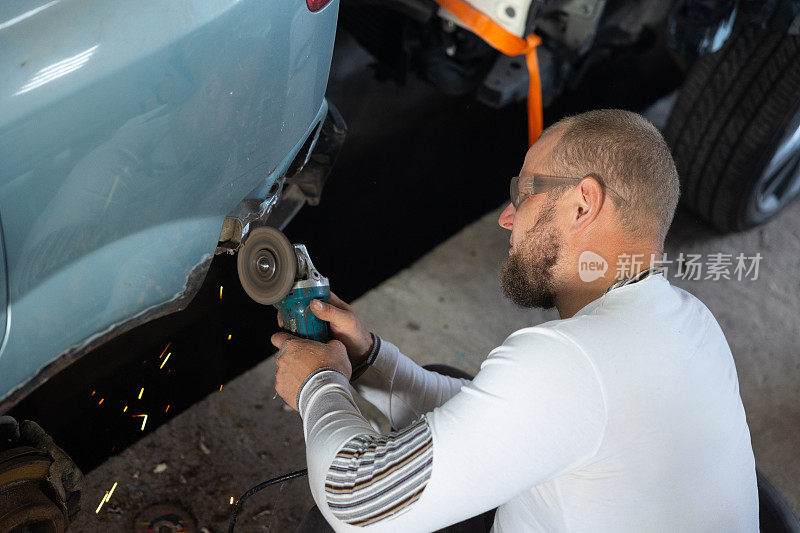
[(527, 276)]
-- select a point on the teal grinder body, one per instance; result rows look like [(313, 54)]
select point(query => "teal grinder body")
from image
[(296, 315)]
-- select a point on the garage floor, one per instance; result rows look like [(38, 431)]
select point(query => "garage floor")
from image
[(447, 308)]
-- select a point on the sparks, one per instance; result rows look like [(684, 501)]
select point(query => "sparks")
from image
[(220, 388), (165, 361), (229, 336), (167, 409), (220, 292), (144, 420), (106, 498), (124, 408), (231, 500), (92, 394), (165, 350), (96, 511), (141, 392), (101, 401)]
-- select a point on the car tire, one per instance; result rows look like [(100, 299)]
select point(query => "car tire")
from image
[(775, 514), (40, 486), (735, 130)]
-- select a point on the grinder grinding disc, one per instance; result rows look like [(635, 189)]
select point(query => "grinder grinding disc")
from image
[(267, 265)]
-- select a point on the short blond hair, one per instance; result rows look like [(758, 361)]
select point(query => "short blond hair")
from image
[(630, 156)]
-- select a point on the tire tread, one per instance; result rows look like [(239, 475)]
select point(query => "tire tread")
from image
[(732, 105)]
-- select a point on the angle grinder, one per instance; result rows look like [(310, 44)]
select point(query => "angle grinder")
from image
[(272, 271)]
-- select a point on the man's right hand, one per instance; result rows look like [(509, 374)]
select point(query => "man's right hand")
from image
[(345, 327)]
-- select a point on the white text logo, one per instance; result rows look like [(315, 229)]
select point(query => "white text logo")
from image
[(591, 266)]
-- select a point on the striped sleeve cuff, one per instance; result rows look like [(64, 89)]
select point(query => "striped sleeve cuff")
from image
[(375, 477), (360, 369), (317, 382)]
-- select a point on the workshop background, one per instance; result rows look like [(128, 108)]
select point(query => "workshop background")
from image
[(407, 231)]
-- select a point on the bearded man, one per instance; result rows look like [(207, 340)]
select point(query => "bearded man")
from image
[(623, 415)]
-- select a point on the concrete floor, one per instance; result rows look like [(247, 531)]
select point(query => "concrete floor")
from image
[(448, 308)]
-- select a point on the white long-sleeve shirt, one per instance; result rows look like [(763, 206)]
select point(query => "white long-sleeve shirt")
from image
[(625, 417)]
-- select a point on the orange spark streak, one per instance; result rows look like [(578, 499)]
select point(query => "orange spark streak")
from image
[(141, 392), (165, 350)]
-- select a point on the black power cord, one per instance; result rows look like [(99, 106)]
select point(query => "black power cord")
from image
[(263, 485)]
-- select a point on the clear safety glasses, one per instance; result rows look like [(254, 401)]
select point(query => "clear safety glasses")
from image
[(524, 186)]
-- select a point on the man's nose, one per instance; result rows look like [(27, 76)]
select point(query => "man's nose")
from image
[(506, 219)]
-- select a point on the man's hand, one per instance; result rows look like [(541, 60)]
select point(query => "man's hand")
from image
[(298, 358), (345, 327)]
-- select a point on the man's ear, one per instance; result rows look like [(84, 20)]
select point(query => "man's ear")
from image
[(588, 199)]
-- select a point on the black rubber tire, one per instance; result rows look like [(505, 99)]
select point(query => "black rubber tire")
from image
[(730, 115), (775, 515)]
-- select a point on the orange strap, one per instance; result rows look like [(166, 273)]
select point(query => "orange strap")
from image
[(509, 44)]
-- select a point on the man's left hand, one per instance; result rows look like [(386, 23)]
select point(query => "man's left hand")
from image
[(298, 358)]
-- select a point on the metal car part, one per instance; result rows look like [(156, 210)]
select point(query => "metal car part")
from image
[(779, 181), (452, 58), (630, 19), (254, 207), (507, 81), (24, 506), (302, 183), (571, 25), (40, 486), (583, 17), (320, 160), (574, 23), (164, 518), (698, 27), (510, 14)]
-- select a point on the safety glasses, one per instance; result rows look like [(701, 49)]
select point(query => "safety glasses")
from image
[(524, 186)]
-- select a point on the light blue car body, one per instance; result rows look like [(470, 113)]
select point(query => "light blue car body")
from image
[(128, 131)]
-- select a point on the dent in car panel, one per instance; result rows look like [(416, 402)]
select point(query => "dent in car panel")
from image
[(126, 136)]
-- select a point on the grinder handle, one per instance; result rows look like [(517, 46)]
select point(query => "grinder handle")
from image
[(297, 317)]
